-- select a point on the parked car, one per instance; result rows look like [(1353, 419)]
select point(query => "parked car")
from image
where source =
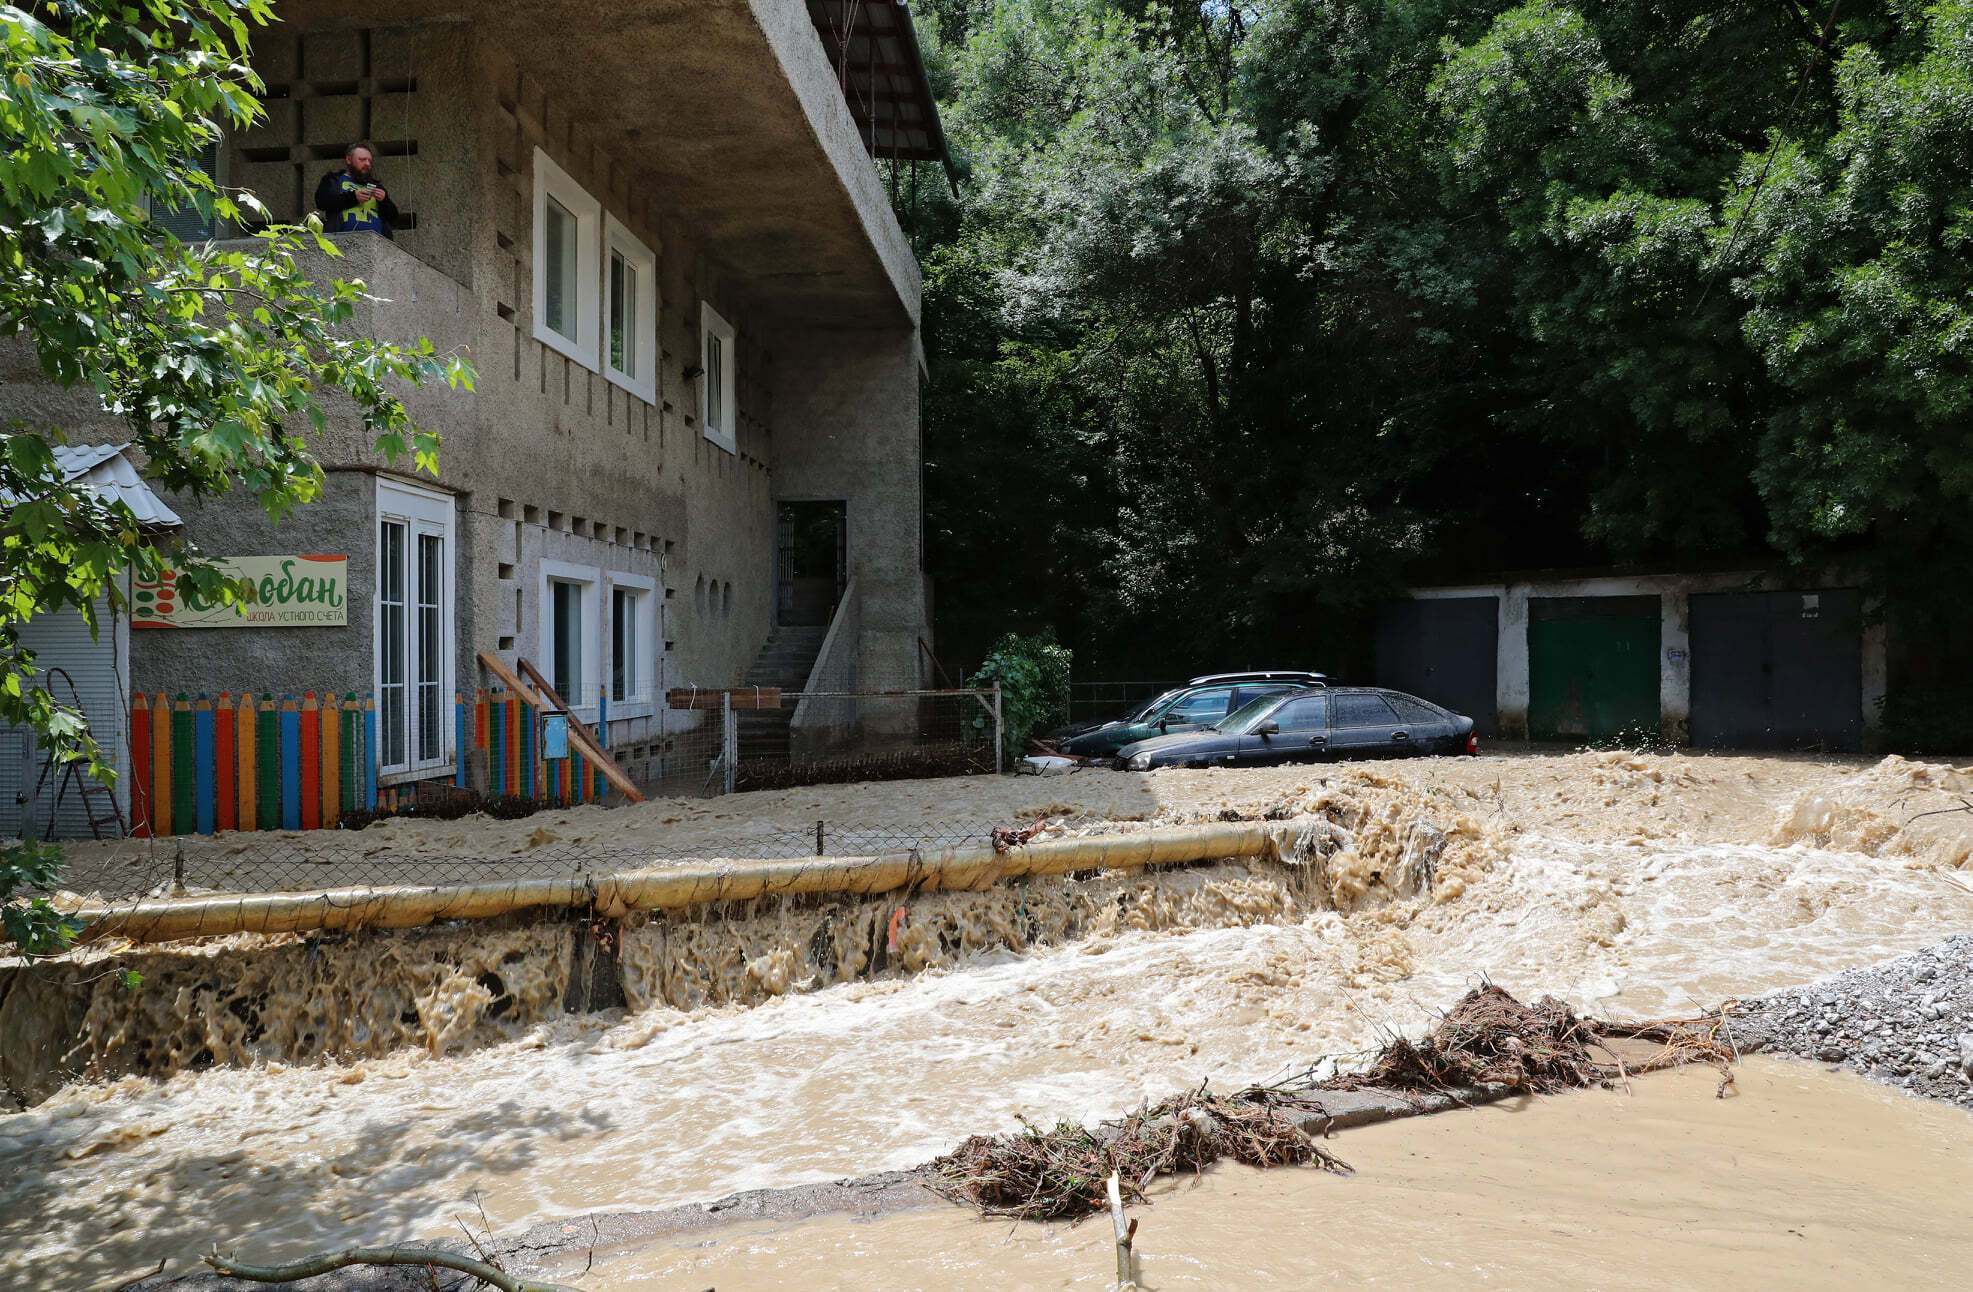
[(1299, 726), (1199, 703)]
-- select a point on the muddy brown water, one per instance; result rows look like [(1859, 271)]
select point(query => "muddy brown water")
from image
[(1802, 1179), (738, 1072)]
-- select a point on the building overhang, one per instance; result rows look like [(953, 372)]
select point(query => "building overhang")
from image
[(730, 113)]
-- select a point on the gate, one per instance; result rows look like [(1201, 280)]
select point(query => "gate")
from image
[(1593, 667), (1445, 651), (1777, 670)]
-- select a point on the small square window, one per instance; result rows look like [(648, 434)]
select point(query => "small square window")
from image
[(716, 406), (567, 239), (630, 308)]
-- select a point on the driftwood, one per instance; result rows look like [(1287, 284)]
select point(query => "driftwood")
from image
[(1488, 1044), (1126, 1234), (427, 1257)]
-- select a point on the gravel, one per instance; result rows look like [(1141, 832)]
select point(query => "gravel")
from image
[(1906, 1022)]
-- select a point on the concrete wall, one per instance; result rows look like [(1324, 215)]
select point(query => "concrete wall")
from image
[(1675, 641), (849, 401), (766, 208)]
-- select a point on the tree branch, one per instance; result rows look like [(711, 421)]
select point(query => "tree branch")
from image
[(324, 1262)]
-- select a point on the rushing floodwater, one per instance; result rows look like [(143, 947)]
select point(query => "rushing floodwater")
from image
[(664, 1106)]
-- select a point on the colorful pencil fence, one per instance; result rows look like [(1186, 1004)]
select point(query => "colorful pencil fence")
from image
[(265, 762)]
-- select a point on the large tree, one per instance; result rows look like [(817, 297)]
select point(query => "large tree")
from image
[(1291, 301), (216, 358)]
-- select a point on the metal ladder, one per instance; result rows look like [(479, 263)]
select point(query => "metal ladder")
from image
[(94, 795)]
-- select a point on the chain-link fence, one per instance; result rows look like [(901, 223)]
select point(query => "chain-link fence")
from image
[(1101, 701), (474, 853)]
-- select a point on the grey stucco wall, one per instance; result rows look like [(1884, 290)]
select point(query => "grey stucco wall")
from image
[(280, 660), (546, 459)]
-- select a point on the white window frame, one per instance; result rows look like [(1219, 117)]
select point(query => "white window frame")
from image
[(590, 578), (552, 180), (711, 325), (643, 698), (619, 241), (423, 512)]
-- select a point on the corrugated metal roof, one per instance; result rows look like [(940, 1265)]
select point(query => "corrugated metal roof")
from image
[(106, 471)]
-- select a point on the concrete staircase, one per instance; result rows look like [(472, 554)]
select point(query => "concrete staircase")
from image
[(785, 661)]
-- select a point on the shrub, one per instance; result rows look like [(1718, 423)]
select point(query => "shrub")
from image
[(1033, 673)]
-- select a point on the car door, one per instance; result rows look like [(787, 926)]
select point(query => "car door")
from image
[(1431, 729), (1363, 726), (1300, 735)]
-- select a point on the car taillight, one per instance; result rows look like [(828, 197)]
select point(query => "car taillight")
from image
[(1472, 742)]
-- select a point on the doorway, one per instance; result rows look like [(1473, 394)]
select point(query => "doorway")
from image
[(811, 562)]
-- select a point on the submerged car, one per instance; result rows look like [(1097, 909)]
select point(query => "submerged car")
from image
[(1199, 703), (1309, 726)]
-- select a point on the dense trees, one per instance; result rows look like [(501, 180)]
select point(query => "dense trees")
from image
[(1254, 310)]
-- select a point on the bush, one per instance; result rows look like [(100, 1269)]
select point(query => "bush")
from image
[(1033, 673), (1929, 720)]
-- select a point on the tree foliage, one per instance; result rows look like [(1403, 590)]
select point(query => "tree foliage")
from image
[(1250, 312), (213, 360)]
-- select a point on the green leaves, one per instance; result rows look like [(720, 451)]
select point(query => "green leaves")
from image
[(212, 356)]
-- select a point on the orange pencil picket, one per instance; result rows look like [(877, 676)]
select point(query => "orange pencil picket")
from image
[(244, 751), (332, 763)]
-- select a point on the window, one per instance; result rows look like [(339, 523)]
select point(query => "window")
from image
[(414, 627), (567, 234), (565, 615), (633, 658), (569, 635), (630, 311), (716, 407), (1362, 710), (1201, 706), (1411, 709), (1310, 713)]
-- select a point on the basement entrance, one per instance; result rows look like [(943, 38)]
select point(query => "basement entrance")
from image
[(811, 562)]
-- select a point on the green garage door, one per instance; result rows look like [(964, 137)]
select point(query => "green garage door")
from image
[(1592, 667)]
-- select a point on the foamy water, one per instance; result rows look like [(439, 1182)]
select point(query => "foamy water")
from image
[(664, 1106)]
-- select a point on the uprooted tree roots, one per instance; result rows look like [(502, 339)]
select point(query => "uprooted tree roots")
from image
[(1489, 1042)]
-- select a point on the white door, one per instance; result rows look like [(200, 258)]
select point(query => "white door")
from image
[(414, 628)]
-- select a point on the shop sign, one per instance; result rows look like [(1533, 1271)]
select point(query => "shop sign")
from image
[(308, 591)]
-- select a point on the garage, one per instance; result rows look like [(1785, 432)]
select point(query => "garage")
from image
[(1777, 670), (1443, 650), (1593, 669)]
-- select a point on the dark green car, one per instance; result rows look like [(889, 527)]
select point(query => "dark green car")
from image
[(1199, 703)]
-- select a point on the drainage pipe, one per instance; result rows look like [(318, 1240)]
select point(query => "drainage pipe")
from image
[(671, 887)]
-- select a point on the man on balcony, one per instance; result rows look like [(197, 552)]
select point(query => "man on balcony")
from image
[(352, 201)]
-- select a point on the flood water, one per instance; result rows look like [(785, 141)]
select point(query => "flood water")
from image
[(665, 1106), (1800, 1179)]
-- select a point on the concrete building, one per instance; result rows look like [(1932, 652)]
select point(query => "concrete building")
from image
[(659, 232), (1745, 659)]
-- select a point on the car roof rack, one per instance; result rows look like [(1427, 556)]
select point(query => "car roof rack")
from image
[(1265, 675)]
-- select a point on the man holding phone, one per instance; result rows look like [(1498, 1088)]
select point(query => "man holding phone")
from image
[(351, 200)]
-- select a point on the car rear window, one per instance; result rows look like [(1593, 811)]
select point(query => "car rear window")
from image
[(1361, 710), (1412, 709)]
